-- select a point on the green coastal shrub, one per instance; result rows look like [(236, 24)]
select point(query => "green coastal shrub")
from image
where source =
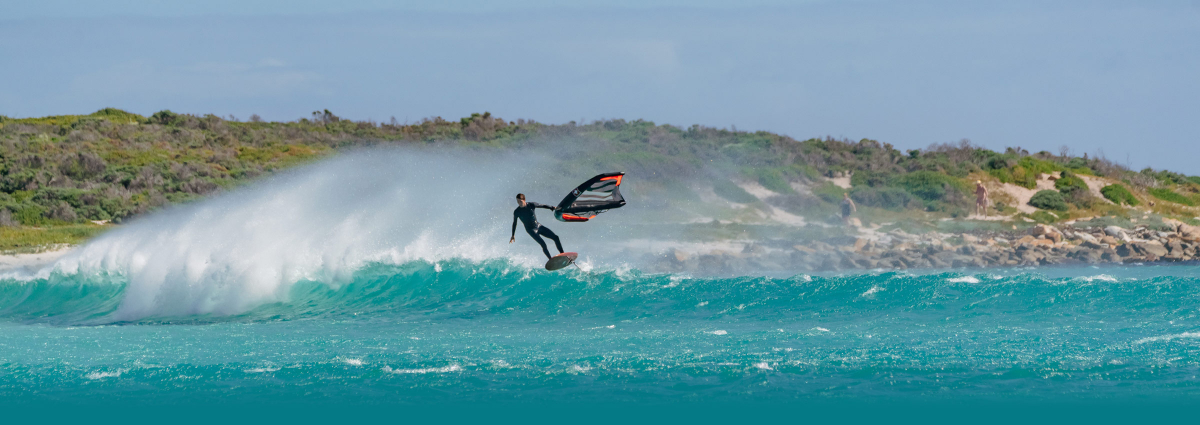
[(1170, 196), (891, 198), (30, 215), (770, 178), (1118, 194), (1028, 168), (806, 171), (998, 162), (732, 192), (1069, 183), (929, 185), (829, 192), (1074, 190), (871, 178), (1166, 177), (1002, 174), (1049, 200)]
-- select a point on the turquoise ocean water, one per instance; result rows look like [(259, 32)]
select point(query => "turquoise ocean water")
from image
[(478, 332)]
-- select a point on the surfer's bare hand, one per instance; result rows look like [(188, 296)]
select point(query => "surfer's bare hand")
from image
[(510, 240)]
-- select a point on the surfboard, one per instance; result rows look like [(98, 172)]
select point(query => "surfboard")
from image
[(561, 260)]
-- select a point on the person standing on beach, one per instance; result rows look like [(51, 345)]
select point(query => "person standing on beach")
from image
[(847, 208), (981, 199)]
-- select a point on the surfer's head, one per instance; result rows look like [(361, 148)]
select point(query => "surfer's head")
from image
[(521, 199)]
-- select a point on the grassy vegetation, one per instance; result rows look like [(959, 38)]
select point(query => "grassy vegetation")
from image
[(1044, 217), (60, 172), (1170, 196), (16, 240)]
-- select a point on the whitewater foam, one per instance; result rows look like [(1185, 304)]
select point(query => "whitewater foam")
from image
[(1100, 277), (101, 375), (420, 371), (320, 223), (262, 370), (874, 289), (1188, 335)]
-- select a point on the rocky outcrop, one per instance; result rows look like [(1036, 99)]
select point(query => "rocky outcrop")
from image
[(1041, 245)]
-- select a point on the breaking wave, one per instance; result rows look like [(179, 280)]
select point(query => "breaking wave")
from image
[(462, 288)]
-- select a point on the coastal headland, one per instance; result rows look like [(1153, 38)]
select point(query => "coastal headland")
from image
[(702, 199)]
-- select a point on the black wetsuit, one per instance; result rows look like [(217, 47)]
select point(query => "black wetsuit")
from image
[(535, 229)]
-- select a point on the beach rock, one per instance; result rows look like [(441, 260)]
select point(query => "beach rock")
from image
[(678, 255), (1030, 257), (1109, 240), (969, 239), (1046, 230), (1188, 232), (1116, 232), (1084, 237), (860, 243), (1176, 250), (1152, 248), (1090, 256)]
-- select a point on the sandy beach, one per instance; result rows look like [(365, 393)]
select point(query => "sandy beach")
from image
[(16, 261)]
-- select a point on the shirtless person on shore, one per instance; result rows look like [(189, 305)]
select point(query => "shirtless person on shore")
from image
[(981, 199)]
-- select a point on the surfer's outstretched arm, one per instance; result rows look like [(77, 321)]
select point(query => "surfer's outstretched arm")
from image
[(537, 205), (513, 237)]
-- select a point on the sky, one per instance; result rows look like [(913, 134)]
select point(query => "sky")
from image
[(1117, 78)]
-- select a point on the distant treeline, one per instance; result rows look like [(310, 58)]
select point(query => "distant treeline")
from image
[(113, 164)]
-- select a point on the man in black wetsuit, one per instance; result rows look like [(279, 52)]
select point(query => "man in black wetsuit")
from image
[(525, 212)]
